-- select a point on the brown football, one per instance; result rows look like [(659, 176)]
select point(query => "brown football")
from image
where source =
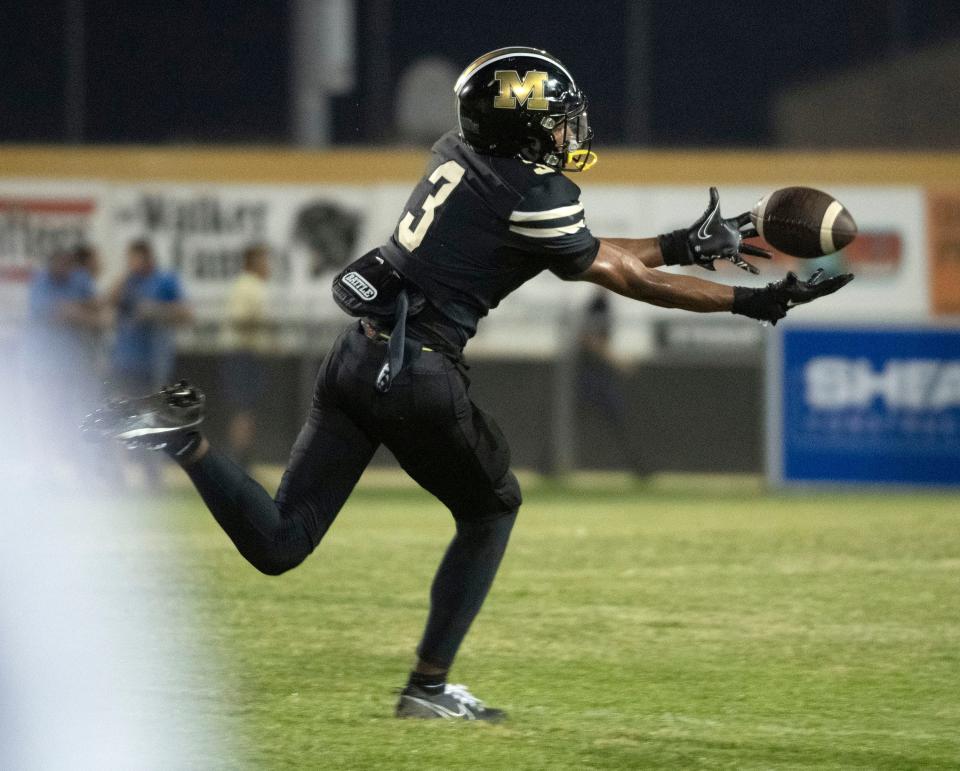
[(803, 222)]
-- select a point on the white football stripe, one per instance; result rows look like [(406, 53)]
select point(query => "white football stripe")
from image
[(826, 227), (758, 213), (547, 232), (546, 214)]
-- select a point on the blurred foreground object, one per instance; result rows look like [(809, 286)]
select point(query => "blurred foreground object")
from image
[(94, 670), (57, 372)]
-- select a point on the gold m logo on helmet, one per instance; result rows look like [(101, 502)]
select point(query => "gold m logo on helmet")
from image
[(528, 90)]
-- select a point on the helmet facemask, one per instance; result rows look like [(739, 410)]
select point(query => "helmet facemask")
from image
[(571, 151)]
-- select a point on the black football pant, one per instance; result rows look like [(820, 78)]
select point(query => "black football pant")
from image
[(448, 445)]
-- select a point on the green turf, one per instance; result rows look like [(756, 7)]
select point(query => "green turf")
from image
[(626, 630)]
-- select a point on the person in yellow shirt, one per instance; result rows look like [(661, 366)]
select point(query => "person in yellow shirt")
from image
[(248, 323)]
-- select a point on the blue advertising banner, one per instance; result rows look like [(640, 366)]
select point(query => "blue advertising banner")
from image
[(864, 405)]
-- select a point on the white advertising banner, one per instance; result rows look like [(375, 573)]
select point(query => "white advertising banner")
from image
[(201, 233), (201, 230)]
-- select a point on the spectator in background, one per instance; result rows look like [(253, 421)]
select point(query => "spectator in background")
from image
[(88, 263), (249, 327), (57, 366), (88, 259), (599, 379), (62, 304), (149, 305)]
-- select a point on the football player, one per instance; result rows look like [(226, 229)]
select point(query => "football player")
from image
[(493, 209)]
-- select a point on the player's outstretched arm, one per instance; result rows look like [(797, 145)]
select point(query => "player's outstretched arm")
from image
[(625, 266), (621, 266), (620, 270), (647, 250)]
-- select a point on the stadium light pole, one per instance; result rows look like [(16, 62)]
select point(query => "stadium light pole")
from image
[(322, 65)]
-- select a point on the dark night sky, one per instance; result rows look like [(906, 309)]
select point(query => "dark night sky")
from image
[(218, 70)]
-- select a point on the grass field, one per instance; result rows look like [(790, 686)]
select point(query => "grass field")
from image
[(631, 629)]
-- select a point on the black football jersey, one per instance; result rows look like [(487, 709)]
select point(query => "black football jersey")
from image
[(478, 226)]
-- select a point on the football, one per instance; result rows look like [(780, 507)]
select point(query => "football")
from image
[(803, 222)]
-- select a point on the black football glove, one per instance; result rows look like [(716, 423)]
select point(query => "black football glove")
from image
[(773, 301), (712, 238)]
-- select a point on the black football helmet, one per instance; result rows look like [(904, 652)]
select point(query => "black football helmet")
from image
[(510, 101)]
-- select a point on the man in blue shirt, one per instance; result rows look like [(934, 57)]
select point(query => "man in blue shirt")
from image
[(149, 303), (62, 318), (61, 307)]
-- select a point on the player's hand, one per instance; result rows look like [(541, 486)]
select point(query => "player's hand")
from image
[(713, 238), (773, 301)]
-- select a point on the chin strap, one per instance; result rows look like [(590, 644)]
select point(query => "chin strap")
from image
[(581, 160)]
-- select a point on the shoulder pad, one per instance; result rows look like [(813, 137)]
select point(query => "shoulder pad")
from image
[(548, 191)]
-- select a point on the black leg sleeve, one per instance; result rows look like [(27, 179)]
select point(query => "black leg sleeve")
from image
[(248, 515), (327, 459), (461, 585)]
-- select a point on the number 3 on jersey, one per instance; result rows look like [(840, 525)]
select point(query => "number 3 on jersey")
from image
[(450, 173)]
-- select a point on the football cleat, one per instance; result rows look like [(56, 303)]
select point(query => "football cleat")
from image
[(455, 702), (147, 421)]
